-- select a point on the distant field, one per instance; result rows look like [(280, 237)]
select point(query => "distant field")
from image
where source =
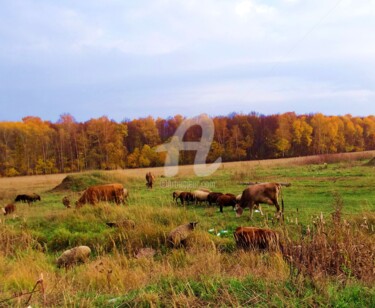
[(211, 270), (39, 183)]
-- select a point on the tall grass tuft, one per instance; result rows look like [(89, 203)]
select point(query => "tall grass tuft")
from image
[(334, 248), (12, 241)]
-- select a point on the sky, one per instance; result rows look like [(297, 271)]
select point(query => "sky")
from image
[(131, 59)]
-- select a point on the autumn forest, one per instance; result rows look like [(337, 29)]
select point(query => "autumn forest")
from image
[(34, 146)]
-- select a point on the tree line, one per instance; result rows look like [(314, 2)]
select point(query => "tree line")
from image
[(34, 146)]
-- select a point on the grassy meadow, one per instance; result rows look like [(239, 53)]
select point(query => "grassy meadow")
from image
[(328, 232)]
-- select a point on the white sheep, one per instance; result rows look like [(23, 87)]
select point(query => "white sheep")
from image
[(178, 236), (73, 256)]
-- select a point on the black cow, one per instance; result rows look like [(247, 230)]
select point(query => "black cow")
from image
[(29, 198)]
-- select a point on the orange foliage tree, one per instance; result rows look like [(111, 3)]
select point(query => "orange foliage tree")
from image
[(34, 146)]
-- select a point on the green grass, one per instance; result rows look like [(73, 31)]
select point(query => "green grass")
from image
[(210, 272)]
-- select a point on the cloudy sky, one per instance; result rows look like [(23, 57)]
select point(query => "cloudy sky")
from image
[(130, 59)]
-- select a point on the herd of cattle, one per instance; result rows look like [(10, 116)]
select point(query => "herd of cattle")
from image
[(245, 237), (251, 198), (25, 198)]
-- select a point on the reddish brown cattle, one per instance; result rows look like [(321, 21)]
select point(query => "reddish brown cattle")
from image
[(185, 197), (108, 192), (8, 209), (226, 200), (212, 197), (260, 193), (251, 238), (150, 178), (238, 198)]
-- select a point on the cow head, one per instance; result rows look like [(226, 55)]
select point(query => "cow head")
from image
[(3, 211), (238, 209)]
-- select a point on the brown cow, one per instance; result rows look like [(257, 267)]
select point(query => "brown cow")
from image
[(226, 200), (260, 193), (150, 178), (257, 205), (252, 238), (212, 197), (8, 209), (109, 192), (185, 196)]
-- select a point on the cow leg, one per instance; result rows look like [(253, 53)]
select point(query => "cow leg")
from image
[(274, 201), (251, 208), (279, 214), (260, 209)]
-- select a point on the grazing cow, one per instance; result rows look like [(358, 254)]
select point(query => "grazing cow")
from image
[(238, 198), (200, 196), (29, 198), (260, 193), (185, 197), (73, 256), (108, 192), (226, 200), (252, 238), (8, 209), (176, 194), (150, 178), (21, 198), (212, 197), (35, 197), (178, 236)]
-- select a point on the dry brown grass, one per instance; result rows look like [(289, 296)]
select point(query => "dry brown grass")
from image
[(12, 241), (335, 248)]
